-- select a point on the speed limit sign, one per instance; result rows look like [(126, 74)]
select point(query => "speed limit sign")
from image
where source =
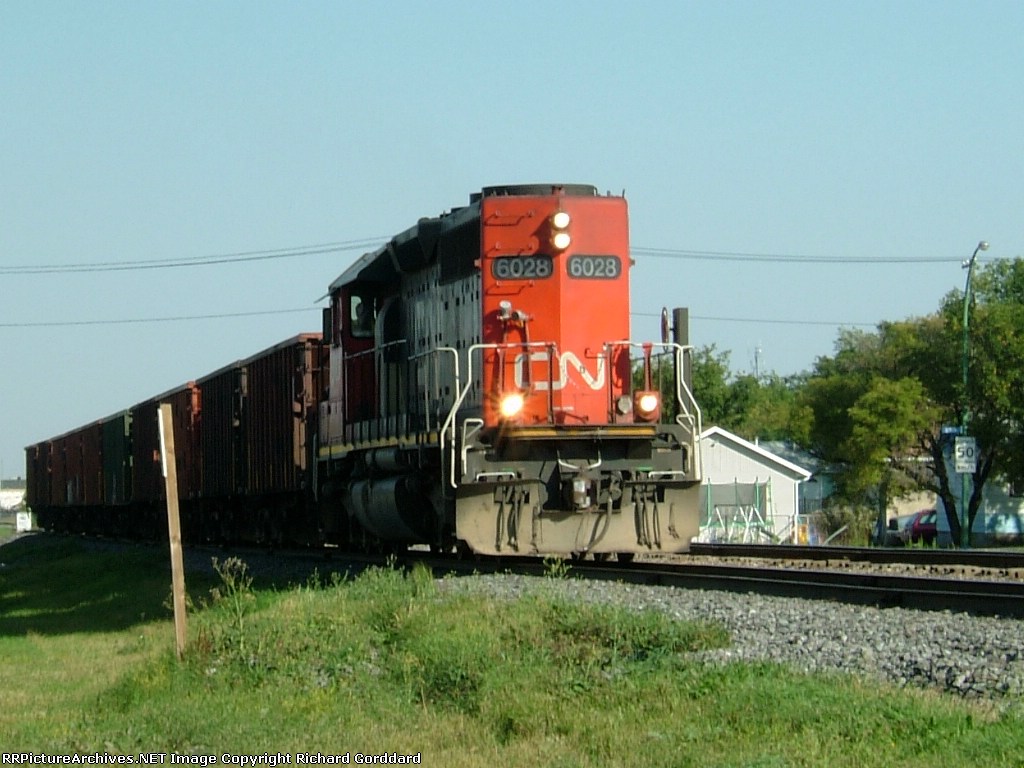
[(965, 455)]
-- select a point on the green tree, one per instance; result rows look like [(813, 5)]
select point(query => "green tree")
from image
[(887, 425), (773, 411), (873, 415), (994, 397), (766, 408), (710, 379), (880, 403)]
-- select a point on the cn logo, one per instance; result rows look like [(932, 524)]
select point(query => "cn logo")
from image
[(567, 362)]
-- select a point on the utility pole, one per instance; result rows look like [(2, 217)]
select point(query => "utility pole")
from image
[(965, 449)]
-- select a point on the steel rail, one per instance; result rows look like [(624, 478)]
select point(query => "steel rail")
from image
[(981, 558), (974, 596)]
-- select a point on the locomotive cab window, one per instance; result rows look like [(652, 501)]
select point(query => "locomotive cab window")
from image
[(337, 318), (362, 316)]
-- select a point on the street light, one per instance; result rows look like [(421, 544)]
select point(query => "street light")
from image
[(965, 418)]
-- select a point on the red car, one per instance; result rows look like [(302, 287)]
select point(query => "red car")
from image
[(922, 527)]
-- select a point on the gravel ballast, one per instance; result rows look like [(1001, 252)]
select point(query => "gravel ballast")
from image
[(972, 657)]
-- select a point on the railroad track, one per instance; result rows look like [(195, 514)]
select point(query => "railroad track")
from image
[(975, 596), (978, 596), (979, 558)]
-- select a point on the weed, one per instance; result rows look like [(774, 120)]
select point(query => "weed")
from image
[(556, 567), (235, 599), (614, 633)]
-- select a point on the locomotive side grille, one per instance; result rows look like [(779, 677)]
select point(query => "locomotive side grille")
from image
[(458, 249)]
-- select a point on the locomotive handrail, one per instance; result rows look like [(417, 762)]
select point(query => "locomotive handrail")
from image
[(550, 345), (697, 418), (689, 403), (476, 424), (682, 386), (658, 474), (449, 422), (501, 474), (432, 353), (386, 384), (691, 417)]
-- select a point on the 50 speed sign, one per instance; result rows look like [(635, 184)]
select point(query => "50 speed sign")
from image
[(965, 455)]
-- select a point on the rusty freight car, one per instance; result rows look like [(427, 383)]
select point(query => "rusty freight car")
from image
[(257, 431), (146, 514), (65, 480)]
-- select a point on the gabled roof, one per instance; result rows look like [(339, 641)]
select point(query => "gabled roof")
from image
[(798, 456), (745, 446)]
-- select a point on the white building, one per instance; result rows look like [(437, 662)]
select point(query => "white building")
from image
[(11, 498), (1000, 518), (749, 494)]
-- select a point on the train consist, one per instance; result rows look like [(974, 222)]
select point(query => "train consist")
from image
[(473, 387)]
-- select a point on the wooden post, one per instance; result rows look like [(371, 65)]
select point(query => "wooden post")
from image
[(173, 525)]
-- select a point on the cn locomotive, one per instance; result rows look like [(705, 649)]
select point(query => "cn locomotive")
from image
[(473, 388)]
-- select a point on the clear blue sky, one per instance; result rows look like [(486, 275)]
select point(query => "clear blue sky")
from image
[(140, 131)]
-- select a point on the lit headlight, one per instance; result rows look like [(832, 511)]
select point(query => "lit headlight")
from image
[(561, 238), (647, 406), (648, 402), (511, 405)]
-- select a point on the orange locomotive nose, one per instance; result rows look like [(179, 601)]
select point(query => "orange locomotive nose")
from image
[(555, 284)]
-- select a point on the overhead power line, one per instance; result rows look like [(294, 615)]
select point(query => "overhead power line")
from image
[(369, 243), (678, 253), (194, 261), (764, 321), (173, 319), (229, 315)]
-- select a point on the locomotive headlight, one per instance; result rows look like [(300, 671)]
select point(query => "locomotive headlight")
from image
[(647, 405), (560, 221), (511, 405)]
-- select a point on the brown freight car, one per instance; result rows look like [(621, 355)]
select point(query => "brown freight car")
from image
[(65, 483), (257, 430), (146, 514), (245, 456), (38, 482)]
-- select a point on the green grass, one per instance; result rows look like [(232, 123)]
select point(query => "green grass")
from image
[(8, 527), (388, 662)]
